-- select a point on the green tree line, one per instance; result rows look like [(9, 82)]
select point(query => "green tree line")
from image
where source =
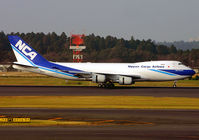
[(182, 44), (99, 49)]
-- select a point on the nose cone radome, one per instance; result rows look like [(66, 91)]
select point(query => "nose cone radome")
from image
[(193, 72)]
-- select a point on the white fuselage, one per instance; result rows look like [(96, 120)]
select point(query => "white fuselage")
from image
[(148, 71)]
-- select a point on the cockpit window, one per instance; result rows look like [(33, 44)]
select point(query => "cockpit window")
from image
[(180, 64)]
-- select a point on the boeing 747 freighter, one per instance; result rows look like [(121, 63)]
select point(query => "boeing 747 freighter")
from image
[(105, 74)]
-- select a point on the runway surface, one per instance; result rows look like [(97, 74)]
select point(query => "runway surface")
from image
[(148, 125), (126, 124), (94, 91)]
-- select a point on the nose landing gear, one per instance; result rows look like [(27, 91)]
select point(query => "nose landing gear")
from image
[(174, 84)]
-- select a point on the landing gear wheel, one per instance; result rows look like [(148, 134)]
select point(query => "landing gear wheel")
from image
[(111, 85), (106, 85), (100, 85)]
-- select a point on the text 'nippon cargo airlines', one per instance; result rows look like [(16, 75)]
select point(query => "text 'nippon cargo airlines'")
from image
[(105, 74)]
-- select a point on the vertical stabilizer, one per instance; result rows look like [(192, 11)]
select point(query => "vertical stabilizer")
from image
[(24, 53)]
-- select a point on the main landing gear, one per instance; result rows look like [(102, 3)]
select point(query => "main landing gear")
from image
[(174, 84), (107, 84)]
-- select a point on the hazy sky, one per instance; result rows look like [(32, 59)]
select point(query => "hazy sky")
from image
[(160, 20)]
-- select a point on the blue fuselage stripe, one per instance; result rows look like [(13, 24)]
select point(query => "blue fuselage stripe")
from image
[(174, 72), (171, 74), (180, 72)]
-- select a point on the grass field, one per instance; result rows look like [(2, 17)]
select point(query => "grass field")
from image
[(26, 78), (99, 102)]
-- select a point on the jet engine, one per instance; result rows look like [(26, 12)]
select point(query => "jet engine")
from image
[(124, 80), (99, 78)]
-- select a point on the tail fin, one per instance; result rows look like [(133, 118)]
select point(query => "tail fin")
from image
[(24, 53)]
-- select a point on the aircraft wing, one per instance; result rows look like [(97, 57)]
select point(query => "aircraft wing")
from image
[(133, 76), (80, 74), (89, 74)]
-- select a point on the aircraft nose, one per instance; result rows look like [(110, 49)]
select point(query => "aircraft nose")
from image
[(192, 72), (189, 72)]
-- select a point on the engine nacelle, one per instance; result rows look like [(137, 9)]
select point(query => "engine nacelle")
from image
[(98, 78), (124, 80)]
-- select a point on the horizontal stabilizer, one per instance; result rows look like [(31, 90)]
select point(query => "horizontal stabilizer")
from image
[(27, 66)]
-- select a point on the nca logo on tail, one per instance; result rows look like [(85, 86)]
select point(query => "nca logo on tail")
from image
[(25, 49)]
